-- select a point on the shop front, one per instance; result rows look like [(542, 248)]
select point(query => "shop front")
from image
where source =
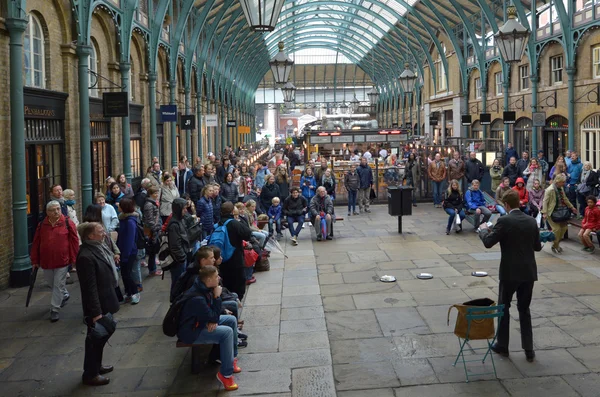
[(45, 163), (555, 138), (135, 144), (101, 150), (590, 140), (523, 135)]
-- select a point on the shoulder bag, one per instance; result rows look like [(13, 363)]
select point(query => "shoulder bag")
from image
[(562, 213)]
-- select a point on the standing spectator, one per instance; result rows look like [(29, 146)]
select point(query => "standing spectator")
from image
[(269, 191), (115, 196), (126, 241), (474, 169), (574, 170), (109, 215), (456, 169), (591, 223), (412, 174), (523, 195), (182, 176), (232, 269), (533, 172), (519, 238), (196, 183), (229, 189), (453, 205), (294, 208), (168, 194), (351, 183), (55, 247), (496, 174), (328, 182), (109, 181), (261, 175), (555, 200), (204, 211), (209, 174), (365, 176), (437, 174), (283, 181), (152, 227), (308, 184), (155, 175), (567, 158), (500, 191), (240, 181), (274, 213), (509, 153), (523, 163), (559, 167), (536, 198), (56, 194), (179, 244), (476, 204), (70, 203), (320, 171), (216, 202), (126, 188), (98, 280), (321, 207), (512, 171), (142, 193), (587, 180), (311, 165), (544, 164)]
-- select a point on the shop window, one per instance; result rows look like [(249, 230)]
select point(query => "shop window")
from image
[(135, 146), (590, 141), (93, 71), (556, 69), (498, 83), (100, 164), (523, 77), (441, 76), (478, 88), (33, 54), (596, 62)]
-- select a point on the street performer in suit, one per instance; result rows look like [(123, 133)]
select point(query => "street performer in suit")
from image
[(519, 237), (97, 278)]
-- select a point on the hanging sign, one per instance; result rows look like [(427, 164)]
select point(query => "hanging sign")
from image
[(485, 118), (211, 120), (243, 129), (509, 117), (115, 104), (168, 113), (188, 122), (465, 119)]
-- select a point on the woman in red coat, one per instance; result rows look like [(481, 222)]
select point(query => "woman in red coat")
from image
[(55, 246), (591, 223)]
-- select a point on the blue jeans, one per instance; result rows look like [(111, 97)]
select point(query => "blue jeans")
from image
[(176, 270), (298, 219), (438, 188), (248, 271), (225, 335), (352, 194), (500, 210), (136, 272), (260, 237), (232, 306), (127, 275), (451, 214), (277, 226)]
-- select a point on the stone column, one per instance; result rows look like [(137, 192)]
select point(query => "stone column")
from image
[(83, 54), (152, 104), (188, 133), (535, 80), (571, 71), (174, 159), (125, 68), (199, 123)]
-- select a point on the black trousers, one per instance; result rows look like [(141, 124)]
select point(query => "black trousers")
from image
[(92, 361), (234, 280), (524, 290)]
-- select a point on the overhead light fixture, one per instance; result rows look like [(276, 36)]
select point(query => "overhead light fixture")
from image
[(281, 66), (373, 96), (512, 38), (262, 15), (354, 104), (289, 92), (407, 79)]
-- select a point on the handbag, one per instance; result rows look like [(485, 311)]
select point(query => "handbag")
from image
[(103, 328), (561, 213), (479, 329), (250, 256), (372, 195)]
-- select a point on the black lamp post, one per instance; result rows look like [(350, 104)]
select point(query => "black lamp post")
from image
[(262, 15), (281, 66)]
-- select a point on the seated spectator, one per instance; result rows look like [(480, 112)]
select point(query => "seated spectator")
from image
[(476, 204), (502, 188), (295, 207), (204, 211), (201, 322), (259, 234), (536, 198), (590, 223), (253, 195), (523, 195), (321, 207), (453, 205), (275, 217)]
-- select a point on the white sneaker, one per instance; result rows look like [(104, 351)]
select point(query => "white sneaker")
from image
[(135, 299)]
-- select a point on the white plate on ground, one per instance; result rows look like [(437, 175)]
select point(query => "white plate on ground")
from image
[(479, 274), (424, 276), (387, 279)]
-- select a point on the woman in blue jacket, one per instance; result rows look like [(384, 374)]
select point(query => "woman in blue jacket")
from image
[(115, 196), (308, 184), (204, 211), (126, 241)]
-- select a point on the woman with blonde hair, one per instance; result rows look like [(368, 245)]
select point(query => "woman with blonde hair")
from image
[(453, 205), (283, 181), (533, 172), (557, 209), (169, 193)]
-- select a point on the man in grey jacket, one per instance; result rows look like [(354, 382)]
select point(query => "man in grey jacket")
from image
[(321, 206)]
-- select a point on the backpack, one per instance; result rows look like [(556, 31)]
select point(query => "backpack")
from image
[(183, 283), (141, 240), (220, 238), (164, 255), (171, 320)]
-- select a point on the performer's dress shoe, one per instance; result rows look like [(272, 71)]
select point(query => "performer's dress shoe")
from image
[(530, 355), (98, 380), (104, 369), (499, 350)]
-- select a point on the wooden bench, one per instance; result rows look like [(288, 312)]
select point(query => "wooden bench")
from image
[(577, 223), (489, 201), (198, 353)]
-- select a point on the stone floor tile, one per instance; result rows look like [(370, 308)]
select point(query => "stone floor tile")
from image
[(302, 313), (367, 256), (256, 316), (482, 292), (548, 363), (591, 301), (570, 276), (376, 301), (367, 393), (544, 386), (358, 376), (441, 271), (305, 265), (264, 339), (363, 350), (263, 300), (565, 306), (304, 341), (469, 282), (253, 383), (414, 371), (400, 274), (313, 382), (281, 360), (444, 296), (274, 276), (162, 354), (552, 337), (344, 267), (297, 290), (434, 284), (330, 278), (401, 321), (300, 281), (576, 288), (300, 301), (588, 356), (585, 384), (337, 303), (436, 318), (446, 372), (332, 259), (360, 277), (348, 289), (586, 329), (425, 346), (325, 269), (299, 273), (352, 324), (396, 265), (491, 388), (307, 325)]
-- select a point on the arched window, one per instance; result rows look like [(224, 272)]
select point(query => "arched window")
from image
[(93, 67), (33, 51)]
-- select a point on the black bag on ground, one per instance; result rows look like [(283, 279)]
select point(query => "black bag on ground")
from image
[(171, 320)]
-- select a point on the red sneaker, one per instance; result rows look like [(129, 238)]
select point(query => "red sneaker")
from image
[(236, 369), (228, 383), (251, 281)]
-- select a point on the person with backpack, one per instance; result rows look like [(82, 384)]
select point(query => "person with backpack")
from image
[(229, 236), (177, 235), (126, 241)]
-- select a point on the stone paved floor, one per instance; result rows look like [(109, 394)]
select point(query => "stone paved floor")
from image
[(321, 324)]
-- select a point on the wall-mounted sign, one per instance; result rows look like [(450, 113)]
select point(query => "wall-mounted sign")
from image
[(231, 123), (485, 118), (465, 119), (341, 139), (376, 138), (538, 119), (243, 129), (509, 117), (394, 125), (433, 121), (187, 122), (168, 113), (320, 139), (211, 120), (115, 104), (396, 137), (359, 138)]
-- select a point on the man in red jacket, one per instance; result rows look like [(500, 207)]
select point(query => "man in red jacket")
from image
[(55, 246)]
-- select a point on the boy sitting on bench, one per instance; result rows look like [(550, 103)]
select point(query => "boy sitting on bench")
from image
[(201, 322), (476, 204)]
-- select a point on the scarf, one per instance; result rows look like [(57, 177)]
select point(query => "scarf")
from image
[(328, 180), (60, 200), (70, 203), (100, 248), (584, 175)]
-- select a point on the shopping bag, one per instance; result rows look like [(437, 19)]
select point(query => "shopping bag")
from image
[(372, 195), (478, 329), (538, 219), (323, 227), (457, 219)]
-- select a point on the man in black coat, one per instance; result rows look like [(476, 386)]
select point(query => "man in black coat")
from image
[(196, 183), (519, 238), (512, 171), (98, 280), (473, 168)]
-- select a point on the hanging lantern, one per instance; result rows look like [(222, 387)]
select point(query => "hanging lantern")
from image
[(262, 15), (281, 66), (373, 96), (289, 92), (354, 104), (512, 38), (407, 79)]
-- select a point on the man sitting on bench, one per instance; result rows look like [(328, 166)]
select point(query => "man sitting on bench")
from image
[(201, 322), (321, 206), (476, 204)]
